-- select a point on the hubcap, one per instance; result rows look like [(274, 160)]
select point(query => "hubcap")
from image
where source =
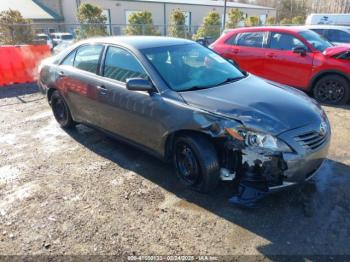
[(187, 164), (330, 91)]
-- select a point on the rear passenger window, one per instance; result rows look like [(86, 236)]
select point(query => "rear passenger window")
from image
[(69, 60), (87, 58), (250, 39), (121, 65), (231, 40), (284, 41)]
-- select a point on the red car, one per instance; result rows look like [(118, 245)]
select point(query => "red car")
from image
[(293, 56)]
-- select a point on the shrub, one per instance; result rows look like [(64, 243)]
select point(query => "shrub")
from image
[(234, 17), (14, 29), (252, 21), (286, 21), (211, 26), (93, 22), (271, 21), (177, 26), (298, 20), (141, 23)]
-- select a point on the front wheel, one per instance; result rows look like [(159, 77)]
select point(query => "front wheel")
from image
[(332, 89), (196, 162)]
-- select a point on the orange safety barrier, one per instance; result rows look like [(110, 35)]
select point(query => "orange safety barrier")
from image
[(18, 64)]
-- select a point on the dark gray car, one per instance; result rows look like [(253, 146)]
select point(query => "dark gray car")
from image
[(182, 102)]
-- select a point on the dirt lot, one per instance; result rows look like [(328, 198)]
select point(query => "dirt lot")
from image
[(84, 193)]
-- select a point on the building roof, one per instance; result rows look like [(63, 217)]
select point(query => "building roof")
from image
[(218, 3), (28, 8)]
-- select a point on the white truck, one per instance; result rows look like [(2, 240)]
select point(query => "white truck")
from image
[(328, 19)]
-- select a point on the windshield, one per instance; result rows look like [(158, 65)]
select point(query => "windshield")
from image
[(191, 66), (67, 37), (318, 41)]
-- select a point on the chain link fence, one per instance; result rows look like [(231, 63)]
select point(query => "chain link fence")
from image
[(17, 34)]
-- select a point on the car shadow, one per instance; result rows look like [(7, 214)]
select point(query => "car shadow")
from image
[(310, 219), (18, 90), (345, 106)]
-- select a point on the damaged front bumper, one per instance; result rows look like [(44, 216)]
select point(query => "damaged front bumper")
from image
[(258, 173)]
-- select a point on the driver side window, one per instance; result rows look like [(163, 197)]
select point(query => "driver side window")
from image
[(121, 65), (282, 41)]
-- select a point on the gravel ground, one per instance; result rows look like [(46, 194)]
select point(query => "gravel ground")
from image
[(80, 192)]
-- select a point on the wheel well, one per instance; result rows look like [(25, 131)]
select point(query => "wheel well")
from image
[(172, 137), (318, 77), (49, 93)]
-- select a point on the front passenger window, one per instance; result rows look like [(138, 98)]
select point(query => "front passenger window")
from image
[(121, 65), (284, 42)]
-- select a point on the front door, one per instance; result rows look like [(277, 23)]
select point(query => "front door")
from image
[(284, 66), (130, 114)]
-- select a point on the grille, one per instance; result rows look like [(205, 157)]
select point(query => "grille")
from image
[(311, 140)]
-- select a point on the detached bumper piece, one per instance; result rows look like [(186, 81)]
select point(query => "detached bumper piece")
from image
[(256, 172)]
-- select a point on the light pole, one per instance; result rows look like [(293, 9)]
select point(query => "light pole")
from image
[(224, 22)]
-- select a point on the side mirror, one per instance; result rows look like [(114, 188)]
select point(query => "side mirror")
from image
[(139, 84), (301, 50)]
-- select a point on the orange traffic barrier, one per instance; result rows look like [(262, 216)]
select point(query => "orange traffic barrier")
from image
[(18, 64)]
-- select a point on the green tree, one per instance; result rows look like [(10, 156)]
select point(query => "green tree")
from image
[(271, 20), (252, 21), (14, 29), (234, 17), (177, 26), (286, 21), (93, 22), (298, 20), (211, 26), (141, 23)]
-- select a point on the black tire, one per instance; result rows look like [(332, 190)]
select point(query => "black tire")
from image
[(61, 111), (332, 89), (196, 162)]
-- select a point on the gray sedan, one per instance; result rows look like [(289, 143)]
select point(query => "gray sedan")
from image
[(184, 103)]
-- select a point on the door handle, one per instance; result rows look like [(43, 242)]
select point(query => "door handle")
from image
[(102, 89), (235, 51), (271, 55), (60, 74)]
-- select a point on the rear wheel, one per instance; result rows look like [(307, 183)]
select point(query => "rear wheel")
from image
[(196, 162), (332, 89), (61, 111)]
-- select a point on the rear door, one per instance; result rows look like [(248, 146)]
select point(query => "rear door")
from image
[(284, 66), (248, 49), (77, 78)]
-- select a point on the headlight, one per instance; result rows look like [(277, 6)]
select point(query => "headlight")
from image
[(254, 139)]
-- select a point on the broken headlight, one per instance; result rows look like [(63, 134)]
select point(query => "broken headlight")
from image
[(255, 139)]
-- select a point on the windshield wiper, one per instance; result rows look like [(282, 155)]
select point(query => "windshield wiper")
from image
[(196, 88), (227, 80), (230, 80)]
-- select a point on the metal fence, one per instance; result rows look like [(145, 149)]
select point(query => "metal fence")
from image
[(29, 33)]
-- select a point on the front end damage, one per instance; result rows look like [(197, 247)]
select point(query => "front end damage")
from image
[(252, 172), (255, 172)]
